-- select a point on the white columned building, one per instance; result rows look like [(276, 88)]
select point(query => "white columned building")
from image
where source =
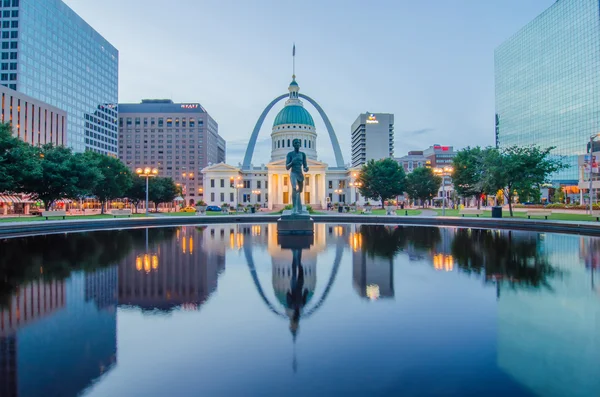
[(269, 185)]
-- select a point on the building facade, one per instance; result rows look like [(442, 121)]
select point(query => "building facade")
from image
[(547, 83), (179, 139), (414, 159), (372, 138), (269, 185), (51, 54), (33, 121)]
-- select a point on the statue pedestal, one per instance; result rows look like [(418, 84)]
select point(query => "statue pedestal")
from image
[(299, 223)]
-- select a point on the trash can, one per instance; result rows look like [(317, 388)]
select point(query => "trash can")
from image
[(340, 209), (496, 212), (252, 210)]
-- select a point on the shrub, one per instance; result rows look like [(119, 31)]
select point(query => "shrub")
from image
[(201, 203)]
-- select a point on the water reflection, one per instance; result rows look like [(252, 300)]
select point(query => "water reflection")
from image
[(520, 311)]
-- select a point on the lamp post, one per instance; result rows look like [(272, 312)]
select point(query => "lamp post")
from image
[(443, 172), (354, 184), (147, 173), (257, 192), (237, 185), (591, 151)]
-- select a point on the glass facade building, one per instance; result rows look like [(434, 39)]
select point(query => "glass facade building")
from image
[(548, 83), (51, 54)]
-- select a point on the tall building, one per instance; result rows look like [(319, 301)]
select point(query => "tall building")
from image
[(33, 121), (51, 54), (372, 138), (547, 83), (179, 139)]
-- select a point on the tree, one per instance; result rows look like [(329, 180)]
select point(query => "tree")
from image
[(62, 175), (382, 180), (422, 184), (137, 191), (116, 178), (18, 161), (162, 190), (468, 177), (520, 169)]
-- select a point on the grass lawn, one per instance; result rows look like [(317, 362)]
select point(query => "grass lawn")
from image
[(523, 215), (59, 218), (398, 212)]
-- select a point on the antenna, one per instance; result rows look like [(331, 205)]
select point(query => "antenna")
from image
[(294, 61)]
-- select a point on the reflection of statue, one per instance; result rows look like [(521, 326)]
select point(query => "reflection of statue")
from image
[(297, 296), (296, 161)]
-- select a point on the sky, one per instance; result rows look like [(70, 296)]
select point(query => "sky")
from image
[(429, 62)]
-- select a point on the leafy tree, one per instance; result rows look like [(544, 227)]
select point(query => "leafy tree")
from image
[(17, 161), (137, 191), (116, 178), (559, 195), (517, 169), (382, 180), (422, 184), (162, 190), (63, 175), (468, 177)]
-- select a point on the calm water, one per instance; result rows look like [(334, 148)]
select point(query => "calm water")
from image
[(228, 310)]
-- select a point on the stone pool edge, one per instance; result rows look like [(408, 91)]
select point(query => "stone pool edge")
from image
[(21, 229)]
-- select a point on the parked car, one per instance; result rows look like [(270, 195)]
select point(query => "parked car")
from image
[(215, 208)]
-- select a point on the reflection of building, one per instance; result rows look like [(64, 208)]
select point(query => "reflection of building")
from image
[(546, 80), (62, 340), (176, 272), (177, 138), (548, 338), (372, 276), (53, 55), (372, 138)]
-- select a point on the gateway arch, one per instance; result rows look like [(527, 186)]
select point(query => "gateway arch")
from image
[(339, 159)]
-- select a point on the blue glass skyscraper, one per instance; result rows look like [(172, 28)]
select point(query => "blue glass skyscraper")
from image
[(50, 53), (548, 83)]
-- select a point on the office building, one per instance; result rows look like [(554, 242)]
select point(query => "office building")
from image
[(372, 138), (179, 139), (438, 156), (547, 83), (33, 121), (414, 159), (51, 54)]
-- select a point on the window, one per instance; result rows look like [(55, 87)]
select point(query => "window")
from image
[(331, 184), (288, 143), (307, 183), (266, 185), (231, 197), (305, 143), (222, 182), (212, 197), (258, 184), (222, 197), (278, 144), (285, 181)]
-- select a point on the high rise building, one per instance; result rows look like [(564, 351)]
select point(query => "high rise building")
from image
[(372, 137), (51, 54), (547, 83), (179, 139)]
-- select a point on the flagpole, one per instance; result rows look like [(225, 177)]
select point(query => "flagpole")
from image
[(294, 60)]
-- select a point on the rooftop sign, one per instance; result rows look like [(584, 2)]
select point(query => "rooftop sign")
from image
[(371, 119), (190, 106)]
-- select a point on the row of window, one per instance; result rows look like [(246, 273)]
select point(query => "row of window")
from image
[(9, 3), (161, 120), (281, 143), (246, 184), (10, 24), (246, 198)]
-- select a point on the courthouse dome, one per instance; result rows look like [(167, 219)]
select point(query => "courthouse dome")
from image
[(294, 112)]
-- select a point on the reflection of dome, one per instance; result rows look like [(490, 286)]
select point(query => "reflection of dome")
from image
[(282, 279), (293, 114)]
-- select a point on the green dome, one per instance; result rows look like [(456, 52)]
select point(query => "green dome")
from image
[(294, 83), (293, 114)]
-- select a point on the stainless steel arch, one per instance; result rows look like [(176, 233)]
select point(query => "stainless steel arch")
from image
[(339, 159), (339, 252)]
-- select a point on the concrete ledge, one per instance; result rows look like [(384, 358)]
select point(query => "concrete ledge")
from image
[(18, 229)]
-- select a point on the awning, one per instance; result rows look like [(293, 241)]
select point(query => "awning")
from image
[(6, 198)]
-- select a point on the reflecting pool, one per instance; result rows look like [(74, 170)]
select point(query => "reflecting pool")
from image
[(230, 310)]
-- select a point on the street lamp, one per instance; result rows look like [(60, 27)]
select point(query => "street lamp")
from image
[(257, 192), (237, 186), (147, 173), (443, 172), (592, 139), (355, 185)]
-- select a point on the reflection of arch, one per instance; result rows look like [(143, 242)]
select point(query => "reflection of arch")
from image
[(336, 265), (339, 159)]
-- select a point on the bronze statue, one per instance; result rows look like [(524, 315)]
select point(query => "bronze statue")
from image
[(296, 161)]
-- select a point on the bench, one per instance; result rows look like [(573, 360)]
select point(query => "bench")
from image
[(116, 213), (47, 214), (545, 214), (596, 214), (366, 210), (470, 211), (390, 210)]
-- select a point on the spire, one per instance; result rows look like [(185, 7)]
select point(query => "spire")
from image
[(294, 62)]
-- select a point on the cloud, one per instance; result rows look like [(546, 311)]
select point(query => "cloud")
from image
[(418, 132)]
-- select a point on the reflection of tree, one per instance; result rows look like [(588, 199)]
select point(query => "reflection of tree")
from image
[(54, 256), (502, 255), (387, 241)]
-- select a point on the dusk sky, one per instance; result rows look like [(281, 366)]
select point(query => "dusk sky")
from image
[(430, 62)]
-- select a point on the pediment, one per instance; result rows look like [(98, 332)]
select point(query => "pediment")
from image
[(220, 167)]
